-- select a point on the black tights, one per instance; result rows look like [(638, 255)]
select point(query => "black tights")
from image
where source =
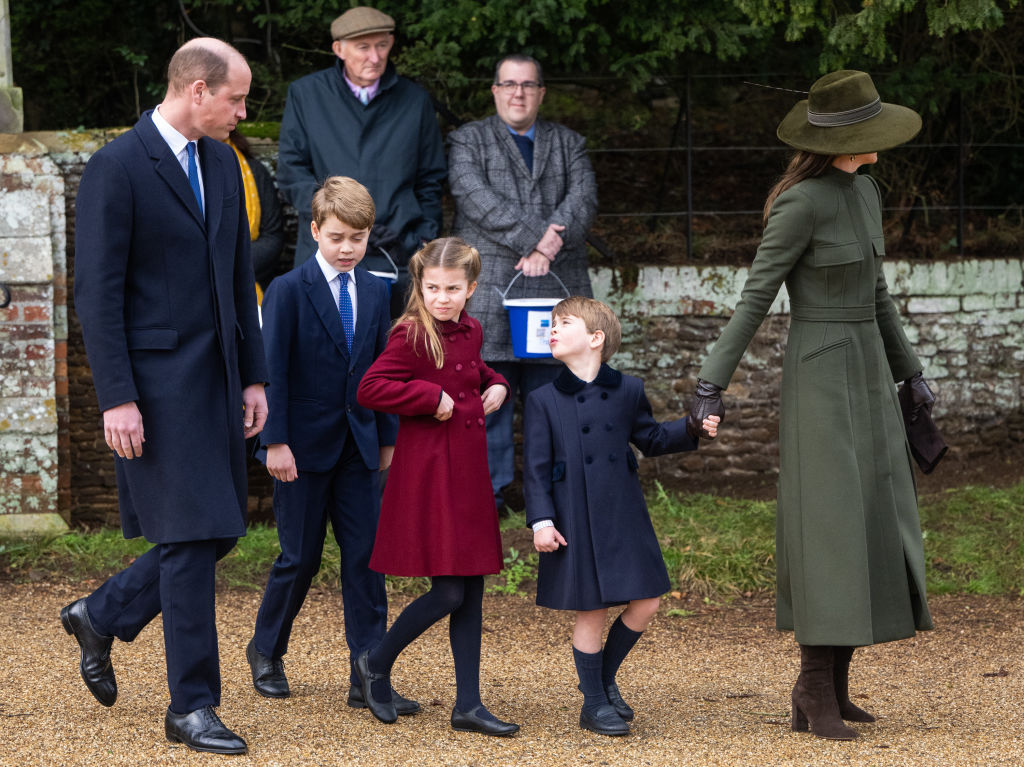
[(461, 597)]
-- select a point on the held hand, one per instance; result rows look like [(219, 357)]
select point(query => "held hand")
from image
[(707, 401), (385, 455), (548, 539), (254, 400), (281, 463), (445, 407), (921, 397), (122, 429), (552, 241), (493, 398), (534, 265), (710, 425)]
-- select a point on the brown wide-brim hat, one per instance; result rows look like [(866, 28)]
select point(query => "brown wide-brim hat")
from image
[(843, 114), (359, 21)]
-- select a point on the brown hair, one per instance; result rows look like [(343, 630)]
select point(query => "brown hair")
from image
[(345, 199), (447, 253), (802, 165), (200, 59), (596, 316)]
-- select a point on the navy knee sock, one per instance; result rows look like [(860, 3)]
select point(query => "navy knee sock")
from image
[(621, 639), (588, 667), (444, 597), (464, 632)]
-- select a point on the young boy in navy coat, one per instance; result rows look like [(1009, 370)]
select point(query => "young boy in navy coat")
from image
[(324, 323), (585, 503)]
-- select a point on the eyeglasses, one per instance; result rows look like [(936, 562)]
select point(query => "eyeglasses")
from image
[(528, 86)]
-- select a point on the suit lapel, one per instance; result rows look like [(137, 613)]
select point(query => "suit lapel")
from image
[(323, 303), (213, 183), (364, 311), (541, 147), (167, 166)]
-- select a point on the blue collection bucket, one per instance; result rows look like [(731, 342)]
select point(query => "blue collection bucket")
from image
[(529, 319), (389, 273)]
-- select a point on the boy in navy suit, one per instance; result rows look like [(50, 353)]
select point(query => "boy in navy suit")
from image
[(324, 323), (585, 503)]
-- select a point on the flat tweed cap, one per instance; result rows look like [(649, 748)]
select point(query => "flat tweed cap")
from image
[(359, 21), (843, 114)]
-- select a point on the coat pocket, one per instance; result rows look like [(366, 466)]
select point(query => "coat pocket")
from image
[(813, 354), (558, 471), (878, 245), (151, 338), (837, 255)]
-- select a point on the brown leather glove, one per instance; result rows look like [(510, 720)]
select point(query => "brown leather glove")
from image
[(921, 397), (707, 400)]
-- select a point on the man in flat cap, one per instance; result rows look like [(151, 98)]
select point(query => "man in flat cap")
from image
[(358, 118)]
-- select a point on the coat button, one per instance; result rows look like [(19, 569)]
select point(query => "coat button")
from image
[(458, 366), (586, 430), (589, 459), (604, 395), (348, 408), (608, 427), (469, 422), (462, 395), (472, 364), (466, 336), (581, 398), (611, 457), (480, 422)]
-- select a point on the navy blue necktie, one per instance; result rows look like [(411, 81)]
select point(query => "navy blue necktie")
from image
[(345, 310), (193, 174), (525, 144)]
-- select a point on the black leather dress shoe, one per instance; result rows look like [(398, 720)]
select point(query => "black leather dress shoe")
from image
[(267, 673), (471, 721), (97, 672), (603, 720), (621, 707), (202, 730), (403, 706), (385, 712)]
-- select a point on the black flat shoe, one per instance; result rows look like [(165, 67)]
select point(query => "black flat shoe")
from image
[(604, 721), (385, 712), (615, 699), (97, 671), (267, 673), (470, 721), (403, 706), (202, 730)]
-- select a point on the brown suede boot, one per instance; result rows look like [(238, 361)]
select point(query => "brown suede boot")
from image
[(841, 678), (814, 696)]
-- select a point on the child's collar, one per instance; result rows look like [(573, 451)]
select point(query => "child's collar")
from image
[(567, 383)]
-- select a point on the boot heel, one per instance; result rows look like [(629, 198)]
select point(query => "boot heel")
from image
[(799, 720), (65, 622)]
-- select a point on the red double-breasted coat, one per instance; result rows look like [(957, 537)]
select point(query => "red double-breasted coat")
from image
[(437, 515)]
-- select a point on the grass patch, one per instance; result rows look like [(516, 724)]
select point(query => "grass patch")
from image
[(713, 547)]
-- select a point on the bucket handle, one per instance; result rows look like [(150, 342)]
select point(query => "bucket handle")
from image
[(394, 266), (520, 274)]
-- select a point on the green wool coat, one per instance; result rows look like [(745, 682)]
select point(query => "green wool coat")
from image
[(848, 540)]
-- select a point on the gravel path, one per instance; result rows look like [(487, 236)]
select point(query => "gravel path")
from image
[(709, 689)]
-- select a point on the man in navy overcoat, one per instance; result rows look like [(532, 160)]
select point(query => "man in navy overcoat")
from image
[(164, 292)]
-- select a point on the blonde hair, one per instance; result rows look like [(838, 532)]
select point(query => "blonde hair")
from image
[(345, 199), (447, 253), (802, 165), (596, 316)]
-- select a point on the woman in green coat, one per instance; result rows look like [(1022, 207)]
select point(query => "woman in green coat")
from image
[(848, 540)]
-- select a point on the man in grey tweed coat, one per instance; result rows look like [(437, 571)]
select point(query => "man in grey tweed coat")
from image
[(525, 197)]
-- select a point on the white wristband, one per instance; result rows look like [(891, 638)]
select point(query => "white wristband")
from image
[(538, 526)]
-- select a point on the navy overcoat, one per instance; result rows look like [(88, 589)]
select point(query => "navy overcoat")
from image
[(168, 311), (580, 472), (314, 377)]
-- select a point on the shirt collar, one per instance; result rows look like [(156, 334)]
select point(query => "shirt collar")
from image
[(529, 134), (371, 90), (170, 134), (567, 383), (329, 271)]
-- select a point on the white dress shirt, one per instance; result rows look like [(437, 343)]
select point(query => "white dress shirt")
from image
[(178, 145), (333, 277)]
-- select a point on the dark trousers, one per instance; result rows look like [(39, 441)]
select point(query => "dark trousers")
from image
[(348, 495), (523, 378), (176, 580)]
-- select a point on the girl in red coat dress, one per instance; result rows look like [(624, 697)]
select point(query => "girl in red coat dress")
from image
[(437, 517)]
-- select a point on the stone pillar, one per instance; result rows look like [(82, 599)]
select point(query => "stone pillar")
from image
[(12, 113), (33, 343)]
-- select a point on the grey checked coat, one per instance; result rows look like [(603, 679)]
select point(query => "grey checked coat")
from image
[(503, 210)]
